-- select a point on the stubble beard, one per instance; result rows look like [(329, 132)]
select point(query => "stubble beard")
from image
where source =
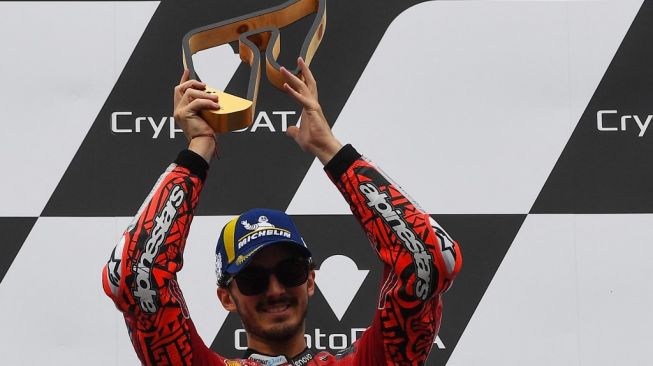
[(276, 333)]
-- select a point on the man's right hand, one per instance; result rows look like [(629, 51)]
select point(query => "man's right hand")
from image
[(190, 98)]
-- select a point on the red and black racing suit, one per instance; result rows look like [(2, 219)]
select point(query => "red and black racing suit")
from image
[(420, 259)]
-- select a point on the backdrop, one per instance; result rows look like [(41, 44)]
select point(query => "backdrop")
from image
[(521, 126)]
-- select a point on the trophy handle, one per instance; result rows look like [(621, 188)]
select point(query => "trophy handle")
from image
[(255, 32)]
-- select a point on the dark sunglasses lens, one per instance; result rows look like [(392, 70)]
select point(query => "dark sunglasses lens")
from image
[(292, 272), (252, 281), (255, 280)]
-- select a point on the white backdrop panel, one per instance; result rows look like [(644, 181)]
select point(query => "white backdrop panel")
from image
[(487, 92), (54, 287), (570, 291), (615, 292), (529, 313), (63, 59)]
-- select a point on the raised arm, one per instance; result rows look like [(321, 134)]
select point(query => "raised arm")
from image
[(141, 274), (420, 258)]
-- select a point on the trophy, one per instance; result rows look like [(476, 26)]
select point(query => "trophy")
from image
[(255, 32)]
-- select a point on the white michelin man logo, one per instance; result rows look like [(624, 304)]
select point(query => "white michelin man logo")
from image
[(262, 223)]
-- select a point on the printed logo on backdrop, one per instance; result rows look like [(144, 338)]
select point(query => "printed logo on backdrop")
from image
[(125, 122), (611, 120)]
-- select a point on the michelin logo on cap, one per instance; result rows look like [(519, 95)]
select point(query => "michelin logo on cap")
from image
[(261, 229)]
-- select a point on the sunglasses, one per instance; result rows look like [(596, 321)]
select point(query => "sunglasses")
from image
[(255, 280)]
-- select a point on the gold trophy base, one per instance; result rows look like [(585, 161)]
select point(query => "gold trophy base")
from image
[(235, 113)]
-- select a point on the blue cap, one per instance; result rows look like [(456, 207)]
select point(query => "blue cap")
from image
[(253, 230)]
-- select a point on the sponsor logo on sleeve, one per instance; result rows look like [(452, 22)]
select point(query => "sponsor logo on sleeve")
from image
[(113, 266), (446, 246), (144, 288), (422, 259)]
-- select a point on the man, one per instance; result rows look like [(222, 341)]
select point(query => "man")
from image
[(265, 271)]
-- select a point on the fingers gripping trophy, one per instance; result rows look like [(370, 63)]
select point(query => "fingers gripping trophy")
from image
[(265, 270), (192, 99)]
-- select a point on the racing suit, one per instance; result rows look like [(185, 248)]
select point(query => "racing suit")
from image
[(420, 263)]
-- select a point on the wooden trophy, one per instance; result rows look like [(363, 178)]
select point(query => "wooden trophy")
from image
[(255, 32)]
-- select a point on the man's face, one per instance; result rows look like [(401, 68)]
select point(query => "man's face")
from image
[(278, 313)]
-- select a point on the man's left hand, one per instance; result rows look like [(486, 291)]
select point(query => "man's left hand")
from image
[(314, 134)]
